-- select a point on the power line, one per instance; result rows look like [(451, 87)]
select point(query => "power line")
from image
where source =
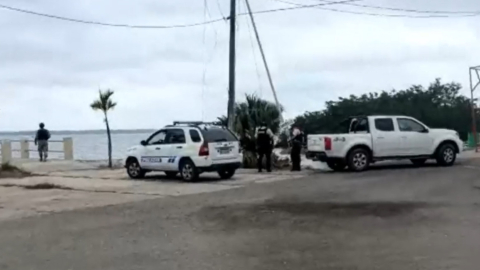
[(254, 58), (122, 25), (220, 8), (435, 14), (384, 15), (108, 24), (204, 74), (409, 10), (298, 6)]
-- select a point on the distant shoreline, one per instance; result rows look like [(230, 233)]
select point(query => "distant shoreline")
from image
[(76, 132)]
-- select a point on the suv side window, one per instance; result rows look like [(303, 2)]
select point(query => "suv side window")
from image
[(384, 124), (157, 138), (218, 135), (408, 125), (194, 135), (175, 136)]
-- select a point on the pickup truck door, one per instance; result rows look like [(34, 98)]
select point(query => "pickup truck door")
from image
[(415, 139), (385, 138)]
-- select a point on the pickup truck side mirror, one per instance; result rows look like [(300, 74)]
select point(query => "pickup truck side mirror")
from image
[(143, 143), (424, 131)]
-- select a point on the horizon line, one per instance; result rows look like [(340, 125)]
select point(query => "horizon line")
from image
[(77, 130)]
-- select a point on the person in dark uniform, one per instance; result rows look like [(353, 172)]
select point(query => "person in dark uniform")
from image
[(41, 139), (296, 143), (264, 137)]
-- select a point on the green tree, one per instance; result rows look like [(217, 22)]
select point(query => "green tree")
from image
[(439, 106), (104, 104), (248, 116)]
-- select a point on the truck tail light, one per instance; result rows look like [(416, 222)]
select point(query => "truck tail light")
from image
[(328, 143), (204, 150)]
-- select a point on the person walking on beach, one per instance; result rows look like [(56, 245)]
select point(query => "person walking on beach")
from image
[(264, 137), (41, 139)]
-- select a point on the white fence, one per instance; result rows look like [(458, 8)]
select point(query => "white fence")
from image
[(27, 147)]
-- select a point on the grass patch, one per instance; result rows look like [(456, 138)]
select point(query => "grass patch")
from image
[(8, 170), (38, 186), (7, 167), (46, 186)]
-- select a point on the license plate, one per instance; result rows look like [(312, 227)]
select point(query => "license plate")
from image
[(224, 151)]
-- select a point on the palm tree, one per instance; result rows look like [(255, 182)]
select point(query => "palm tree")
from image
[(104, 104), (248, 116)]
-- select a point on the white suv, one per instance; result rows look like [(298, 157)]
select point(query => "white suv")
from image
[(190, 148)]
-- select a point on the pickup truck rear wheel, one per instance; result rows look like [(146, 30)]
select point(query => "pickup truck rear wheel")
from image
[(358, 160), (446, 155), (336, 165)]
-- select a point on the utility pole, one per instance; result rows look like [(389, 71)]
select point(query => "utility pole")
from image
[(264, 59), (231, 69), (472, 103)]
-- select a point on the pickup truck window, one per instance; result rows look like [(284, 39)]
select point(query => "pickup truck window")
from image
[(360, 125), (384, 124), (408, 125)]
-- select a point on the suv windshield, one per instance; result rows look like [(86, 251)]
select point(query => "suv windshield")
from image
[(218, 135)]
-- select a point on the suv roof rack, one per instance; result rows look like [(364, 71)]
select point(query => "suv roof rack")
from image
[(194, 123), (197, 123)]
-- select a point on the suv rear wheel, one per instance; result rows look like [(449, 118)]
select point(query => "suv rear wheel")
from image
[(226, 173), (134, 170), (188, 171)]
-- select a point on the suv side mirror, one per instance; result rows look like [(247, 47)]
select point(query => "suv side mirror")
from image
[(424, 131), (143, 143)]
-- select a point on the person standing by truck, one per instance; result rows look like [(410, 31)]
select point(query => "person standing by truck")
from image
[(264, 138), (296, 143), (41, 139)]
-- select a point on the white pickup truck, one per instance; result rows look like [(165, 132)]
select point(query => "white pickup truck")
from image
[(377, 138)]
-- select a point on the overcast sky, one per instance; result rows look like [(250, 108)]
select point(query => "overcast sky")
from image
[(51, 70)]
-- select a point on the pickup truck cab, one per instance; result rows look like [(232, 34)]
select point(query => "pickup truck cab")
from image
[(377, 138)]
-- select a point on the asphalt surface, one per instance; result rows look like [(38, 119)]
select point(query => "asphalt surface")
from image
[(387, 218)]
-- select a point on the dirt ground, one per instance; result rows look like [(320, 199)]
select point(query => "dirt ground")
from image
[(393, 217)]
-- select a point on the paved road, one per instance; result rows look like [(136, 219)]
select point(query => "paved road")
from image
[(387, 218)]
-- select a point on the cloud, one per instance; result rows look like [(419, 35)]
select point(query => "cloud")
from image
[(51, 70)]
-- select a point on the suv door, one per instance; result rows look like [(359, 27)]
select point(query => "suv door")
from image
[(175, 142), (415, 140), (385, 138), (153, 156)]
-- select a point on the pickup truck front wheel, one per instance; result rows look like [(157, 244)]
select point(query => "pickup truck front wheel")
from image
[(446, 155), (358, 160), (336, 165)]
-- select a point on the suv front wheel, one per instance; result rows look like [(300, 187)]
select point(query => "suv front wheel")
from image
[(134, 170)]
